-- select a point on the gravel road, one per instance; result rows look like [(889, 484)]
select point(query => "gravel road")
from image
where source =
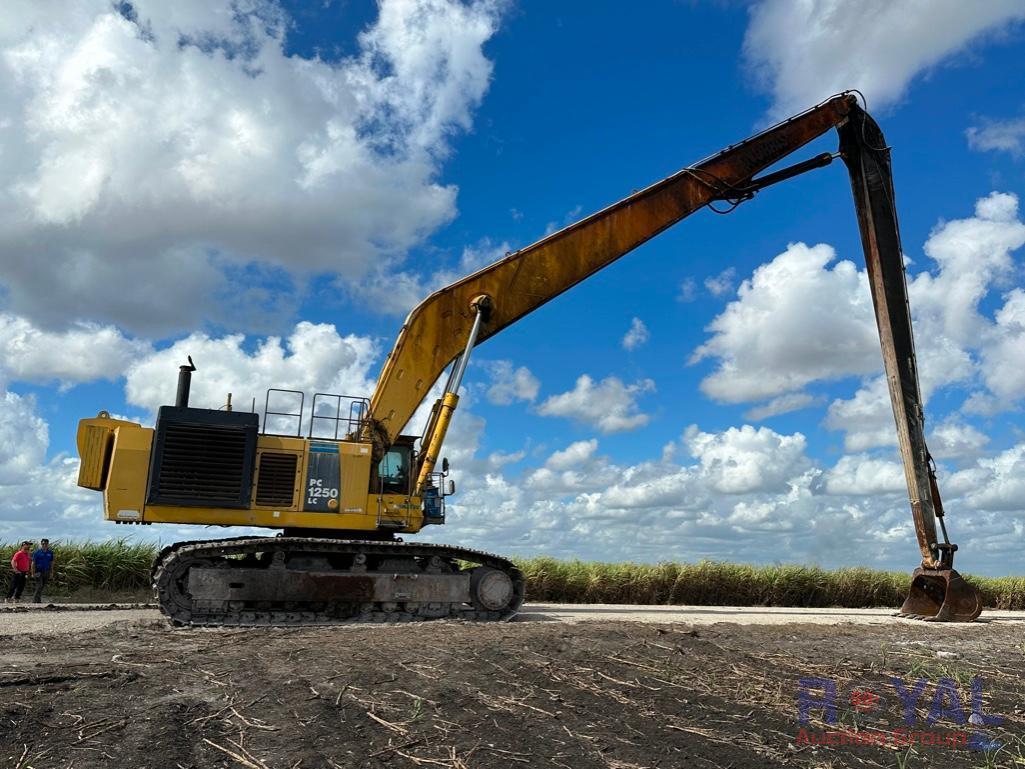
[(64, 619)]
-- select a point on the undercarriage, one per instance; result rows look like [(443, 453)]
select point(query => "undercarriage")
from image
[(294, 581)]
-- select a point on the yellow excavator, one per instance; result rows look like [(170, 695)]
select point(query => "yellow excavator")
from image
[(342, 482)]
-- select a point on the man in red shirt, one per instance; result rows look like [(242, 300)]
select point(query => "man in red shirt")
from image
[(21, 563)]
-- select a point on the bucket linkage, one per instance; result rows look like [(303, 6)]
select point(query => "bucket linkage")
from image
[(941, 594)]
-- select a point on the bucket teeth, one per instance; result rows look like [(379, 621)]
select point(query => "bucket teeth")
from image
[(941, 595)]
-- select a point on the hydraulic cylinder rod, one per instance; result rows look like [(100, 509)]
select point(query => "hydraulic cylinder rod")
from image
[(446, 406)]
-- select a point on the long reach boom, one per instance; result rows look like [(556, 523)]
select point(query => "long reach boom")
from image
[(446, 326)]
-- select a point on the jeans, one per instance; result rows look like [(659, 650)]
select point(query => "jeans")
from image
[(17, 584), (42, 577)]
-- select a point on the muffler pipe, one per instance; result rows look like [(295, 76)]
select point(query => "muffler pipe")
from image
[(184, 384)]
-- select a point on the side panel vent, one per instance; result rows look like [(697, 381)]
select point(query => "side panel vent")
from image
[(202, 458), (275, 480), (94, 445)]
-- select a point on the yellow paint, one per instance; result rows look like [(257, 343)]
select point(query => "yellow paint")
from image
[(355, 467), (124, 486), (396, 507), (93, 445), (125, 494), (436, 330), (444, 417)]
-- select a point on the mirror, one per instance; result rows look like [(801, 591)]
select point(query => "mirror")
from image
[(444, 464), (451, 489)]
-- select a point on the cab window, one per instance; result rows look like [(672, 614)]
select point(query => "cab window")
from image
[(393, 471)]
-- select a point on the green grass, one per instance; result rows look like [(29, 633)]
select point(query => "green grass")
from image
[(120, 566)]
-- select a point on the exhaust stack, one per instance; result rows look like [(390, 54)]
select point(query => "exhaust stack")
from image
[(184, 384)]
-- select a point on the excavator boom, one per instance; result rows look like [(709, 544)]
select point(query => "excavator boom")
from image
[(435, 332), (450, 322)]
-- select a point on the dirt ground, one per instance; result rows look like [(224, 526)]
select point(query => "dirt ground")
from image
[(615, 695)]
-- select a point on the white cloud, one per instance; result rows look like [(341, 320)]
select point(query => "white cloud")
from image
[(207, 162), (636, 336), (865, 419), (610, 405), (24, 437), (802, 51), (858, 474), (744, 460), (510, 384), (388, 291), (972, 255), (795, 321), (803, 318), (784, 404), (996, 483), (952, 439), (568, 218), (572, 456), (748, 495), (313, 358), (721, 284), (498, 459), (688, 291), (998, 136), (1004, 358), (82, 353), (38, 497)]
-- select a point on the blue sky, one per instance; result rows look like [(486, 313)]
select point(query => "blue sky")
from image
[(271, 188)]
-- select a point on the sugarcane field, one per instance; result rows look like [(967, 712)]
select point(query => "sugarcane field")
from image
[(500, 384)]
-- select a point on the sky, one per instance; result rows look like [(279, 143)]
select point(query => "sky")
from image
[(270, 187)]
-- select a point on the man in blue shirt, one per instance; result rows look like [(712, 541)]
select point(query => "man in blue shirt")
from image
[(42, 567)]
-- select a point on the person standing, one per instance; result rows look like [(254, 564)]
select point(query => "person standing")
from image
[(21, 564), (42, 566)]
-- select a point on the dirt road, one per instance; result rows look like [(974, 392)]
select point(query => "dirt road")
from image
[(548, 691)]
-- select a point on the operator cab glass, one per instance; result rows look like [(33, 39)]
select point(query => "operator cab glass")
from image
[(393, 471)]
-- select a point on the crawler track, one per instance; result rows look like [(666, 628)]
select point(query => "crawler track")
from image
[(346, 579)]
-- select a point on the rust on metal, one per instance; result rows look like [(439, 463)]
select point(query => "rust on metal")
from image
[(234, 584), (938, 592), (941, 595), (864, 150), (435, 331)]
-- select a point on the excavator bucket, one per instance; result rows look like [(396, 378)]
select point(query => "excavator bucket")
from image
[(941, 595)]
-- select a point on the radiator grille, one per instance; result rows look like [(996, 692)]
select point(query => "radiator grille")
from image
[(202, 463), (275, 480)]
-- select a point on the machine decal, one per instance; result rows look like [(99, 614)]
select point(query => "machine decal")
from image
[(323, 478)]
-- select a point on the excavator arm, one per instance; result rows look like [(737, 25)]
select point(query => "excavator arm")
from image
[(938, 592), (450, 322)]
